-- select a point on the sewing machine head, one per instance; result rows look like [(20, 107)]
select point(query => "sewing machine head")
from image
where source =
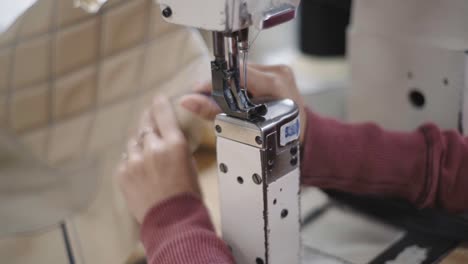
[(228, 15), (257, 145), (230, 21)]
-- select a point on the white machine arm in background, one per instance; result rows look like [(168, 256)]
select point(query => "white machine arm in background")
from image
[(409, 63)]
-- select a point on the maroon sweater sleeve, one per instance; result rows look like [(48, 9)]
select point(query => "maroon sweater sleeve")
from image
[(428, 167), (179, 231)]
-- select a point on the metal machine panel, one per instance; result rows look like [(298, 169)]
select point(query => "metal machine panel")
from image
[(241, 200), (283, 219), (435, 22), (408, 63), (260, 220), (401, 84), (258, 171)]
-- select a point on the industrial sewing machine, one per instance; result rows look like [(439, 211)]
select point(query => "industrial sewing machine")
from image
[(407, 58), (408, 66), (257, 142)]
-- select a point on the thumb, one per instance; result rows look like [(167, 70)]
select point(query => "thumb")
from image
[(201, 105), (203, 87), (260, 81)]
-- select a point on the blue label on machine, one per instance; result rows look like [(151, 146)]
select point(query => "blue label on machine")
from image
[(289, 132)]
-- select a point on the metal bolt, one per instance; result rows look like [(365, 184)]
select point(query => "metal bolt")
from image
[(218, 128), (284, 213), (271, 163), (240, 180), (167, 12), (223, 168), (293, 151), (259, 140), (259, 261), (257, 179), (293, 161)]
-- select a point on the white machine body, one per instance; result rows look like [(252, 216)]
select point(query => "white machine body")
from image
[(222, 15), (259, 186), (257, 143), (409, 63)]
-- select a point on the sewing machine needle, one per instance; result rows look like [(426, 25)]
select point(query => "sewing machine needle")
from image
[(244, 62)]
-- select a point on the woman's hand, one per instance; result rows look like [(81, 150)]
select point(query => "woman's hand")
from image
[(277, 82), (158, 164)]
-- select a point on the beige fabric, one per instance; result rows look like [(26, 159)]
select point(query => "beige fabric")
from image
[(34, 196), (72, 87)]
